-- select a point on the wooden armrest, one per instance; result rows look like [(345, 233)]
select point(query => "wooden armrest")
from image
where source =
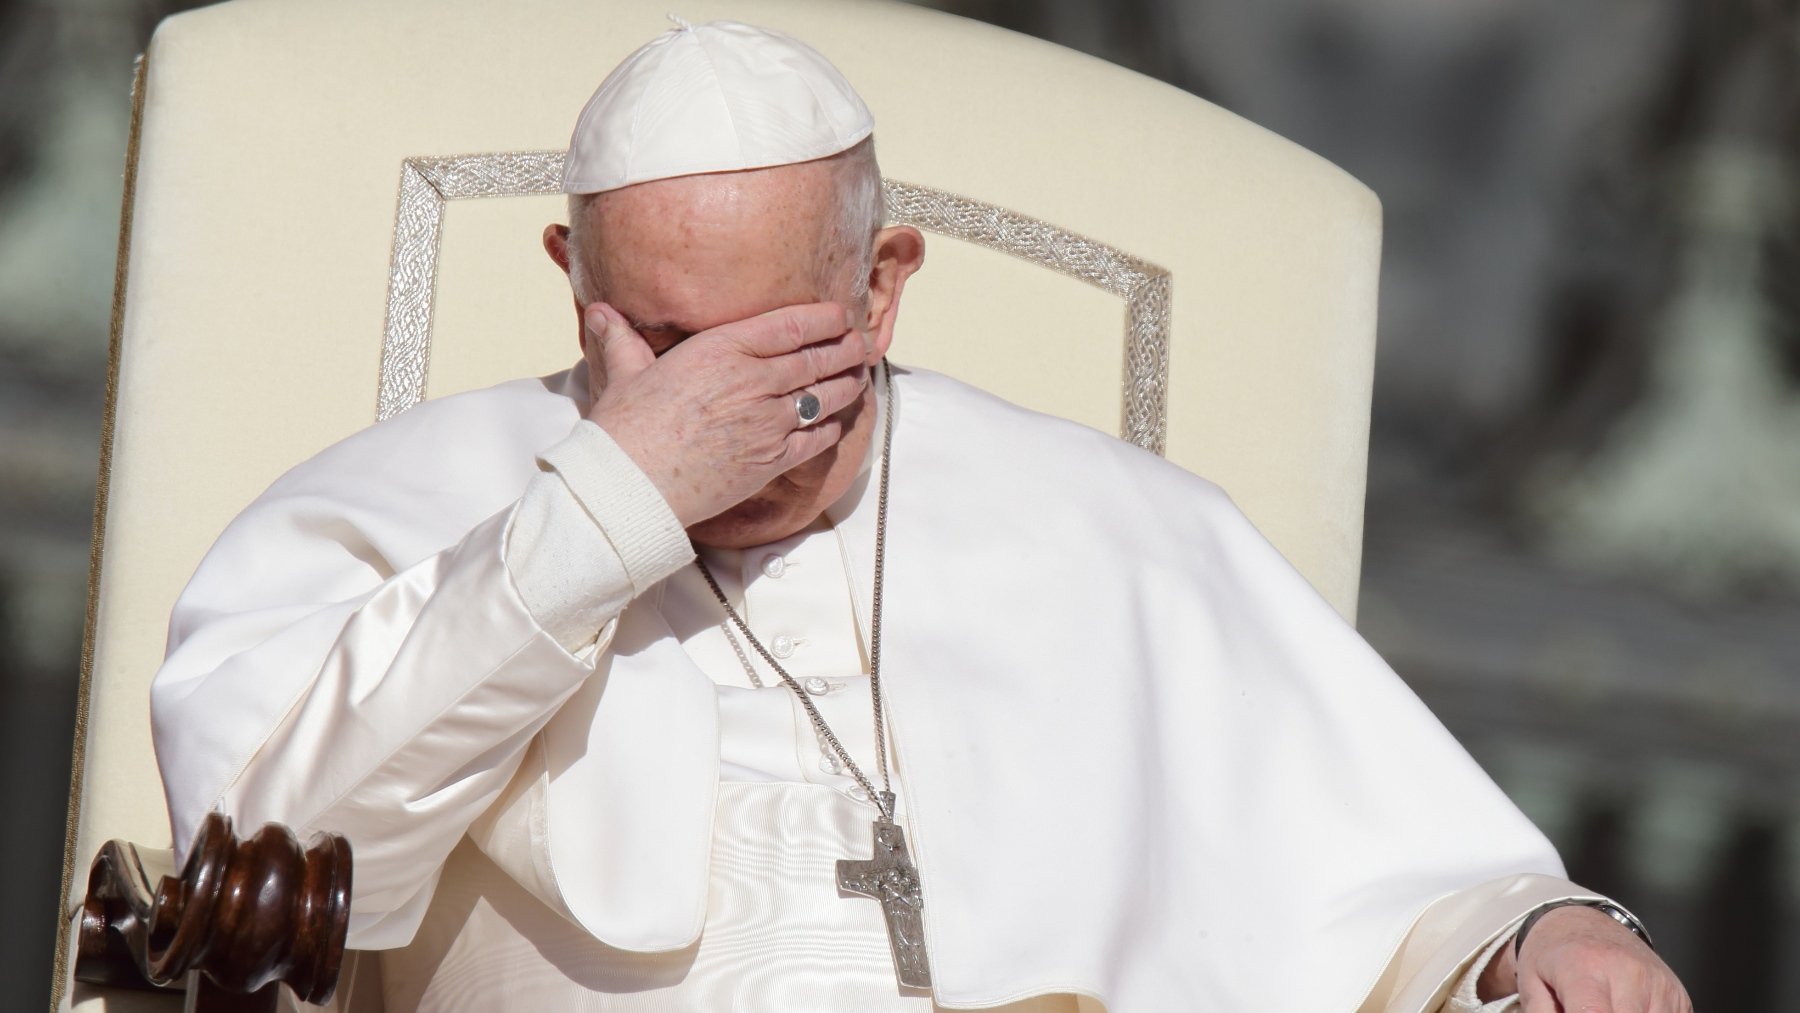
[(242, 918)]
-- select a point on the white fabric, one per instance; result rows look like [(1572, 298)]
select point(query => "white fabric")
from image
[(778, 934), (1466, 998), (1072, 627), (591, 537), (779, 937), (797, 593), (1272, 302), (806, 952), (805, 617), (581, 548), (714, 97)]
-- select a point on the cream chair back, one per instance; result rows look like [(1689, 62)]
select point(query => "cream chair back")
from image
[(334, 207)]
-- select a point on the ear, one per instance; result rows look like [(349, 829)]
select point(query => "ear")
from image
[(899, 251), (556, 244)]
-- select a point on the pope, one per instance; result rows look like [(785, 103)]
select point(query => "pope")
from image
[(735, 668)]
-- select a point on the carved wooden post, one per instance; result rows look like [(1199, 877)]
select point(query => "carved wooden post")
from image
[(243, 917)]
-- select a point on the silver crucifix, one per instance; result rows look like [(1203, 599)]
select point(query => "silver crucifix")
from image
[(891, 878)]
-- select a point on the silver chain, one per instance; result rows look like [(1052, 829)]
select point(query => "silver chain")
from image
[(884, 799), (738, 649)]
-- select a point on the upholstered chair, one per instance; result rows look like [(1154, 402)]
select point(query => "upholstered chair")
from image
[(333, 210)]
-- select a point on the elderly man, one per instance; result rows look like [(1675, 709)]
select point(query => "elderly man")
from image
[(734, 669)]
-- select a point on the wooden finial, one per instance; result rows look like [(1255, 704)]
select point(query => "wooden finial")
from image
[(246, 914)]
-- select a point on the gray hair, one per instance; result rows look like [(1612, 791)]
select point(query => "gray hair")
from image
[(849, 247)]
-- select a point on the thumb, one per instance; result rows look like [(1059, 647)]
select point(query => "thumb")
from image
[(623, 351)]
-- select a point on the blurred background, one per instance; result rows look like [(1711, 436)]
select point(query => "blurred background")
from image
[(1583, 543)]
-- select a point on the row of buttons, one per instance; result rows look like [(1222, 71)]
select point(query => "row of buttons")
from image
[(783, 647)]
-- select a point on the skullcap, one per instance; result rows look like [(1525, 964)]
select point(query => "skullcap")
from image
[(715, 97)]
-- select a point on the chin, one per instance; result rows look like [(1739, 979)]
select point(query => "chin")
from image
[(787, 505), (758, 520)]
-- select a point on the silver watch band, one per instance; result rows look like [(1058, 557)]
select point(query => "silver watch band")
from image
[(1606, 907)]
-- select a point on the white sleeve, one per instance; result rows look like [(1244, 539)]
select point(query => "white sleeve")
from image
[(582, 547), (313, 683)]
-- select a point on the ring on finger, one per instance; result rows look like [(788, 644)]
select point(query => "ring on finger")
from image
[(807, 408)]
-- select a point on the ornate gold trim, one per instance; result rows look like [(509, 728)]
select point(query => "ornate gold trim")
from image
[(1143, 286), (426, 184), (108, 422)]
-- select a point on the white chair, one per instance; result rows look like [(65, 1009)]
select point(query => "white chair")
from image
[(301, 251)]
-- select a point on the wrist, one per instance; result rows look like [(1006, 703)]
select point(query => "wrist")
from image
[(652, 459), (1599, 906), (623, 502)]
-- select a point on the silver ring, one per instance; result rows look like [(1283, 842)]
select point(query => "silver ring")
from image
[(807, 408)]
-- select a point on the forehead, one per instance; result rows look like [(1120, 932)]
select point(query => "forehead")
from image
[(697, 251), (779, 191)]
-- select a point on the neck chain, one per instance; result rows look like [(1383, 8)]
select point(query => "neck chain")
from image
[(889, 876), (883, 799)]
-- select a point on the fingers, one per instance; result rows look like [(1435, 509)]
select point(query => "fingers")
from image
[(786, 349), (788, 329), (807, 366), (805, 444), (623, 351), (838, 392), (835, 394), (799, 344)]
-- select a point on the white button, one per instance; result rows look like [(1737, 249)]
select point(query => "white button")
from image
[(782, 646), (830, 764), (856, 792), (774, 566), (817, 686)]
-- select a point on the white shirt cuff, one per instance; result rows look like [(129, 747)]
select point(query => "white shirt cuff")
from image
[(1467, 998), (590, 534)]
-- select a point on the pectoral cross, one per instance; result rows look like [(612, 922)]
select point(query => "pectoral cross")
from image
[(891, 878)]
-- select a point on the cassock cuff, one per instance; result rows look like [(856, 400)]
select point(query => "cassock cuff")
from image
[(623, 502), (1466, 998), (588, 536)]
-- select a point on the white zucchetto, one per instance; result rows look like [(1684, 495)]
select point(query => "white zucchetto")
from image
[(715, 97)]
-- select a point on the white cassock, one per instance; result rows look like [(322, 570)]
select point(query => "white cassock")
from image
[(1139, 760)]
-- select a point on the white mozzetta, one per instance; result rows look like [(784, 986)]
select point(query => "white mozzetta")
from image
[(1143, 759)]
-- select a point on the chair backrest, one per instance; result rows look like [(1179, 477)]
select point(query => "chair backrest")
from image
[(303, 251)]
